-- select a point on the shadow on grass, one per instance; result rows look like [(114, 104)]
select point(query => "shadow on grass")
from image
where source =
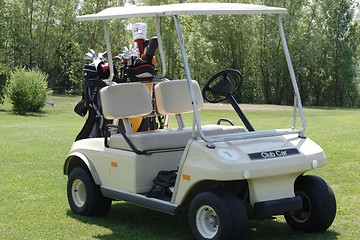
[(41, 113), (274, 229), (127, 221)]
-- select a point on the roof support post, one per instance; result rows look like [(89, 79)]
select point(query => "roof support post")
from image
[(189, 79), (108, 49), (292, 76), (295, 112), (161, 46)]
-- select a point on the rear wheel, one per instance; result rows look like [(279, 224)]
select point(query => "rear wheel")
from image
[(319, 205), (217, 215), (84, 196)]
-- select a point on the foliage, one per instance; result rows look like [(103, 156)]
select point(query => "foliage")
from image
[(323, 39), (325, 70), (4, 76), (27, 90)]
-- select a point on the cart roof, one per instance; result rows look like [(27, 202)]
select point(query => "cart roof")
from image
[(181, 9)]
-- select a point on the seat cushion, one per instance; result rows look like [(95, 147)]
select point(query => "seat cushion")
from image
[(166, 138), (125, 100), (173, 97)]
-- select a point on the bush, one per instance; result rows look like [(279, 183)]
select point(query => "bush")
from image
[(4, 79), (28, 90)]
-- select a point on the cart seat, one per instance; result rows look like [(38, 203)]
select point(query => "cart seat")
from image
[(172, 98), (127, 100)]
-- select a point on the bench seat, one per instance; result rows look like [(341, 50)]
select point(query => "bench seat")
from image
[(166, 138)]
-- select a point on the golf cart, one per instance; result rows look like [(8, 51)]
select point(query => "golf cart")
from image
[(222, 174)]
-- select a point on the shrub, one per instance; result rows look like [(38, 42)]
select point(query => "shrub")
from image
[(28, 90), (4, 77)]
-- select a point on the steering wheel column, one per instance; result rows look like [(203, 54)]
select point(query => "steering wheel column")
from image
[(222, 86)]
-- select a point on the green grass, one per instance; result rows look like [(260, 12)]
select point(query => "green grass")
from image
[(33, 203)]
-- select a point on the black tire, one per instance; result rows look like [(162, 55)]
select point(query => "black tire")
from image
[(319, 205), (84, 196), (218, 215)]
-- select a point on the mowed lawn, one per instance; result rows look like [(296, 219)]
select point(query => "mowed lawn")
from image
[(33, 202)]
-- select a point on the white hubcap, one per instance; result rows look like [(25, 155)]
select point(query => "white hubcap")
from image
[(78, 192), (207, 221), (304, 214)]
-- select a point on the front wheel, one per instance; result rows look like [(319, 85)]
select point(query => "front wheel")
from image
[(217, 215), (84, 195), (319, 205)]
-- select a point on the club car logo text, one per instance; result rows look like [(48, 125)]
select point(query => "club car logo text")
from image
[(273, 154), (277, 153)]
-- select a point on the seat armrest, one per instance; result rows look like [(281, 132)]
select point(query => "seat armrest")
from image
[(122, 132)]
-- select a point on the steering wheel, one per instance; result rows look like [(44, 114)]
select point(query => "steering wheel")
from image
[(221, 85)]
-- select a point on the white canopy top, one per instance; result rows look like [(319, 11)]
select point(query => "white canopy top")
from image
[(181, 9)]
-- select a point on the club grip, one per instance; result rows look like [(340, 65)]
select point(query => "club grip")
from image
[(153, 45)]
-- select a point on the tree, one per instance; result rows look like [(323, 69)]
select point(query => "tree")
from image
[(15, 31), (323, 39), (343, 46)]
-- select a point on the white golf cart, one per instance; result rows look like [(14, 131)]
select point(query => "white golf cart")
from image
[(224, 174)]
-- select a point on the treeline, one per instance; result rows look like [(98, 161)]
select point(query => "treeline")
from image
[(323, 38)]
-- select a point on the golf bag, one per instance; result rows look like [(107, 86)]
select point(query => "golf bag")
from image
[(94, 74)]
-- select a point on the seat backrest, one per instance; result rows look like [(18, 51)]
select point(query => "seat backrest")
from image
[(125, 100), (173, 97)]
